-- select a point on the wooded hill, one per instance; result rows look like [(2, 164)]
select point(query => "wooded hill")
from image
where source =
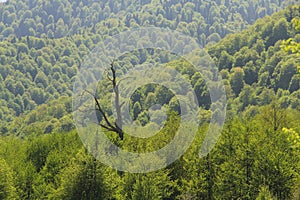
[(256, 70), (256, 157)]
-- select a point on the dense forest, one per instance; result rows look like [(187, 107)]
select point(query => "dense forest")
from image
[(204, 20), (255, 46)]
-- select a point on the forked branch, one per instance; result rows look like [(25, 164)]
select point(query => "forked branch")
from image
[(117, 125)]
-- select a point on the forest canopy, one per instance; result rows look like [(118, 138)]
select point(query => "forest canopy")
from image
[(255, 46)]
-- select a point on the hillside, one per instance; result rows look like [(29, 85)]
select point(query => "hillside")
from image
[(44, 156), (45, 68), (206, 21), (49, 64)]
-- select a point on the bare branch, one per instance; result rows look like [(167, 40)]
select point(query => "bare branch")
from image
[(122, 104), (100, 109), (107, 76), (117, 125)]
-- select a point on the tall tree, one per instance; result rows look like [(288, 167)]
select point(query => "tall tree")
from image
[(7, 188)]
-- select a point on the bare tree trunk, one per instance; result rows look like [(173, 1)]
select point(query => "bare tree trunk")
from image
[(110, 126), (118, 122)]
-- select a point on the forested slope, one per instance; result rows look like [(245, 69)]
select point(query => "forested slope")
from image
[(32, 59), (36, 71), (208, 21), (256, 157)]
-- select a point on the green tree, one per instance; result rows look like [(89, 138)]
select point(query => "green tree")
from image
[(136, 110), (291, 45), (264, 194), (150, 100), (280, 30), (154, 185), (237, 80), (41, 78), (7, 188), (225, 61), (83, 179), (247, 97), (19, 89), (202, 93), (251, 74), (284, 76)]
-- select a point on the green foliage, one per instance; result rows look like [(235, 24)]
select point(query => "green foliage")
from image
[(237, 80), (58, 19), (264, 194), (249, 154), (253, 58), (7, 188), (257, 156), (83, 179), (48, 66), (291, 45), (155, 185)]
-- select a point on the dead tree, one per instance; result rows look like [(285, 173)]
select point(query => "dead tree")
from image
[(110, 126)]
